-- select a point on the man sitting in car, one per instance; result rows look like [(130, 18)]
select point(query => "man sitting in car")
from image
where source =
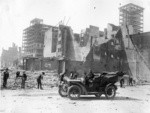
[(89, 78)]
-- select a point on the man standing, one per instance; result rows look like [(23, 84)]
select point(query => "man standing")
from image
[(73, 75), (24, 78), (122, 82), (130, 81), (5, 77), (17, 76), (39, 80)]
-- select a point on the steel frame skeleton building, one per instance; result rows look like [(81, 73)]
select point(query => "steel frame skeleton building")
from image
[(131, 14), (33, 38)]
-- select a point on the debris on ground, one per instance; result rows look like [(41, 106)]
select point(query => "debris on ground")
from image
[(50, 80)]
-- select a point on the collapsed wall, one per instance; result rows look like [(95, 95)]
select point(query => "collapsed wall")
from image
[(76, 47), (116, 52), (75, 54), (99, 53), (136, 60), (111, 54)]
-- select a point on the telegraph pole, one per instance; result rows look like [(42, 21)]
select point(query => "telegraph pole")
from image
[(91, 48)]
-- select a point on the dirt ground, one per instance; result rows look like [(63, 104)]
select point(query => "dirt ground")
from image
[(135, 99)]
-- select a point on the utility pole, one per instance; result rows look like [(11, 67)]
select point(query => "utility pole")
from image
[(65, 50), (91, 48)]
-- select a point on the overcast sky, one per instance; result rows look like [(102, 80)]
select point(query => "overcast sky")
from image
[(15, 15)]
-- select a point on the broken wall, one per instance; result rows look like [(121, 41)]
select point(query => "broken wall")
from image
[(136, 48), (41, 64), (104, 54), (50, 43)]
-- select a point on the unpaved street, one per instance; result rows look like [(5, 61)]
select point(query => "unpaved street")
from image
[(128, 100)]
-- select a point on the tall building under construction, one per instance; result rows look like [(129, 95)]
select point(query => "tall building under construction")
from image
[(132, 14), (33, 38)]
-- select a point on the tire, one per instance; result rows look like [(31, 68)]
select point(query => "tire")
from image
[(74, 92), (110, 92), (61, 92)]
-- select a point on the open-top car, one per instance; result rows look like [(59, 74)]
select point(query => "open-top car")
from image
[(90, 85)]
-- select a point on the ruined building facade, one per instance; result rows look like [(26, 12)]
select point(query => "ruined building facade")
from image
[(50, 42), (115, 49), (82, 52), (138, 53)]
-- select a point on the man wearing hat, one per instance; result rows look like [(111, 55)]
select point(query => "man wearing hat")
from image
[(5, 77), (39, 80), (24, 78)]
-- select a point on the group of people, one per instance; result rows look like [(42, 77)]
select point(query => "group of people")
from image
[(130, 80), (23, 77), (73, 75)]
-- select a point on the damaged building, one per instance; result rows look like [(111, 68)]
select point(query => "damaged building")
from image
[(33, 45), (117, 48), (33, 38), (80, 52)]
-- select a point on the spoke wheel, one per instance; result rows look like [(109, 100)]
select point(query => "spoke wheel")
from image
[(110, 92), (62, 92), (74, 92)]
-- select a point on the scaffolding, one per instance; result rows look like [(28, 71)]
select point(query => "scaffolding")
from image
[(131, 14), (33, 38)]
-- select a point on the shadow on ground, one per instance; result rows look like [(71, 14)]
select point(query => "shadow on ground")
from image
[(118, 98), (35, 95), (83, 98)]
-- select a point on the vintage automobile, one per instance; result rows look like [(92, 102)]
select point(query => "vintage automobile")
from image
[(90, 85)]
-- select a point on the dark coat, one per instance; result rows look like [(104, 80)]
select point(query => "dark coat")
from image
[(40, 77), (6, 75), (24, 76)]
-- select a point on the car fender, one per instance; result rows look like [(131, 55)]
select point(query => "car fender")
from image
[(110, 84), (83, 89), (72, 86)]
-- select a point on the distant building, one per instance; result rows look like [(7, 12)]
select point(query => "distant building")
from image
[(132, 14), (33, 38), (9, 56)]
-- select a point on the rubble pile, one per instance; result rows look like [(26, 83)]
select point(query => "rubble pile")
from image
[(50, 80)]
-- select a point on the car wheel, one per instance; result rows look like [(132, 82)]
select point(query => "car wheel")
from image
[(62, 92), (110, 92), (74, 92)]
